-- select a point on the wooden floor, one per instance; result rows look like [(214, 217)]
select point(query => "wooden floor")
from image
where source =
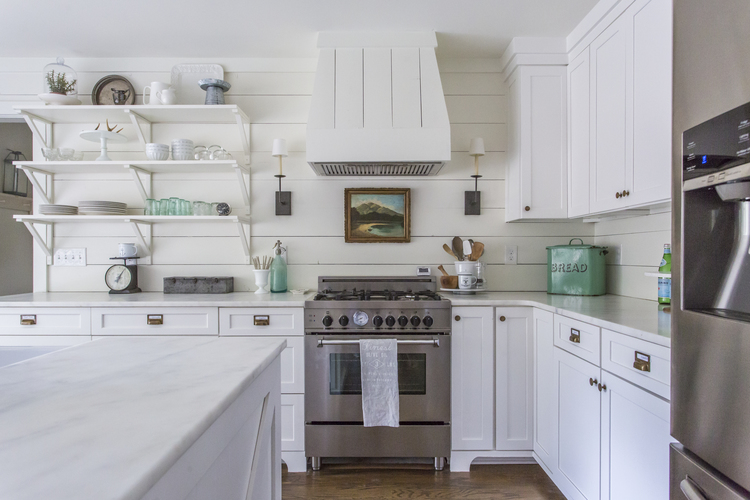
[(375, 482)]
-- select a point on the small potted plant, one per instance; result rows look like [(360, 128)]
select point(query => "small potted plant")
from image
[(60, 84)]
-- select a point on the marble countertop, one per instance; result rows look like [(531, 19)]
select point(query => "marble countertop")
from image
[(107, 419), (155, 299), (635, 317)]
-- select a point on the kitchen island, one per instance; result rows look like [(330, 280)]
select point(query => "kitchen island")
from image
[(144, 418)]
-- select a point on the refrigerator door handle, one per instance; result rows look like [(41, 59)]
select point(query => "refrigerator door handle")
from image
[(691, 490)]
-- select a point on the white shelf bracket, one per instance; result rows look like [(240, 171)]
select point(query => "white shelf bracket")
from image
[(244, 241), (41, 191), (146, 244), (135, 119), (135, 172), (244, 136), (244, 188), (29, 119), (40, 241)]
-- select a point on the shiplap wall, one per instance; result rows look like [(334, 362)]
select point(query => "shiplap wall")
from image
[(640, 243), (275, 94)]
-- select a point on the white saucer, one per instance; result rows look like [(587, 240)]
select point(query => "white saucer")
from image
[(50, 98), (459, 291), (301, 291)]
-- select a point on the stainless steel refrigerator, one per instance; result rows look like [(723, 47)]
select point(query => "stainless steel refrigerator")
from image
[(711, 240)]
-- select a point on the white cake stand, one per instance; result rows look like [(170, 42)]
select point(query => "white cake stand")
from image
[(103, 136)]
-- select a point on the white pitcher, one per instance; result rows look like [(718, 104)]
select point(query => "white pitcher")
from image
[(167, 96), (152, 91)]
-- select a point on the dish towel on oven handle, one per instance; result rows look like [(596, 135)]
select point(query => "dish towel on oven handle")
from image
[(379, 366)]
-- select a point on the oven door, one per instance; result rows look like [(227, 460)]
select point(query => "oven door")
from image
[(333, 384)]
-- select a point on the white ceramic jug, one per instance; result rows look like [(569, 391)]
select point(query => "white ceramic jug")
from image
[(167, 96), (152, 91)]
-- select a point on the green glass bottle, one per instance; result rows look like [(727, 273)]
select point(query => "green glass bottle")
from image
[(278, 269), (665, 283)]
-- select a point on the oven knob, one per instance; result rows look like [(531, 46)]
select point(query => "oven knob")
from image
[(327, 321), (428, 321), (390, 321), (402, 321), (377, 321), (415, 321), (360, 318), (343, 320)]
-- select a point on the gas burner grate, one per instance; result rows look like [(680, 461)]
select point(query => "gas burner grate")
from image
[(367, 295)]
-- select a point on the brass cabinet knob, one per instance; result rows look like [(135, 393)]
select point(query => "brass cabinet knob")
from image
[(593, 381), (626, 193), (618, 195), (602, 387), (527, 208), (502, 318), (457, 318)]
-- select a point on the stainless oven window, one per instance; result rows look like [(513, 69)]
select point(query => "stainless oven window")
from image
[(346, 377)]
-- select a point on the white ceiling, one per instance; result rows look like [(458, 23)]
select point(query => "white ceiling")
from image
[(269, 28)]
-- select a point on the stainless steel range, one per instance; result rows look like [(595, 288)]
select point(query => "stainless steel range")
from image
[(347, 309)]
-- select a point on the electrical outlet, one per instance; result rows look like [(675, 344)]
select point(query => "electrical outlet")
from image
[(511, 255), (75, 257), (616, 251)]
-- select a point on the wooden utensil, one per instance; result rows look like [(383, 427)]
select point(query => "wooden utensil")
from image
[(458, 248), (477, 250), (449, 251), (442, 270)]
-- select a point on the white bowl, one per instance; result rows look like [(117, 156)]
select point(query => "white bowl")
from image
[(182, 148), (156, 145), (465, 267), (182, 156), (157, 155), (182, 142)]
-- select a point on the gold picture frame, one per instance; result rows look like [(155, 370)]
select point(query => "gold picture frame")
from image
[(377, 215)]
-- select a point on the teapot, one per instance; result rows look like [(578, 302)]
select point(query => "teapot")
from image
[(120, 96)]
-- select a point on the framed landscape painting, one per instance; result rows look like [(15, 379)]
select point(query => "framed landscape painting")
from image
[(375, 215)]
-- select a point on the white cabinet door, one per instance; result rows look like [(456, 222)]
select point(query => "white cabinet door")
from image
[(545, 390), (611, 117), (514, 407), (538, 147), (579, 427), (472, 378), (292, 364), (579, 120), (635, 442), (292, 422), (652, 101)]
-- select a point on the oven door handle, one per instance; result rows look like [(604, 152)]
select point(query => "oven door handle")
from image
[(432, 342)]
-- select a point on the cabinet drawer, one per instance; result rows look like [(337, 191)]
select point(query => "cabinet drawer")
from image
[(650, 370), (155, 321), (45, 321), (292, 365), (578, 338), (261, 321), (292, 422)]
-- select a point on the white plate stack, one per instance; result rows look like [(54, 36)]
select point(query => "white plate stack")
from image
[(58, 210), (102, 208)]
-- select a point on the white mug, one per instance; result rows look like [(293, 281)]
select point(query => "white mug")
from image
[(127, 250), (167, 96), (466, 281), (153, 91)]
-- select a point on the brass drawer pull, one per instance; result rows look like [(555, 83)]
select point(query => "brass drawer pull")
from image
[(642, 362), (527, 208), (618, 195), (502, 318), (602, 387), (263, 320), (28, 319), (593, 381), (458, 318), (154, 319), (575, 336)]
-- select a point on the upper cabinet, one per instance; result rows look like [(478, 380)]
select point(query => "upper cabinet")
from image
[(630, 112), (536, 179)]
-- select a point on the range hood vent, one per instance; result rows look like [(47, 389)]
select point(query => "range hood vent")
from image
[(377, 107), (376, 169)]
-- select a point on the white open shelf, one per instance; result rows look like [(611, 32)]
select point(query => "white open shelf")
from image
[(138, 114), (134, 221)]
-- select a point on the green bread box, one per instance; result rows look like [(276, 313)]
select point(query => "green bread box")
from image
[(576, 269)]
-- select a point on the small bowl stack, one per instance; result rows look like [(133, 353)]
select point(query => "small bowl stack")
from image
[(182, 149), (157, 152)]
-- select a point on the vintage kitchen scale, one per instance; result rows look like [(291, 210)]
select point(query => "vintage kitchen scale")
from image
[(123, 278)]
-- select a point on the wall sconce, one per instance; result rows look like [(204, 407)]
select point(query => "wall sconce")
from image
[(283, 198), (472, 199)]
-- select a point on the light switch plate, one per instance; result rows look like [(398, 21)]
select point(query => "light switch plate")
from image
[(71, 257), (616, 251), (511, 255)]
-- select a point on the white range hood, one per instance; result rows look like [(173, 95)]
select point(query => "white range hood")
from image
[(377, 106)]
